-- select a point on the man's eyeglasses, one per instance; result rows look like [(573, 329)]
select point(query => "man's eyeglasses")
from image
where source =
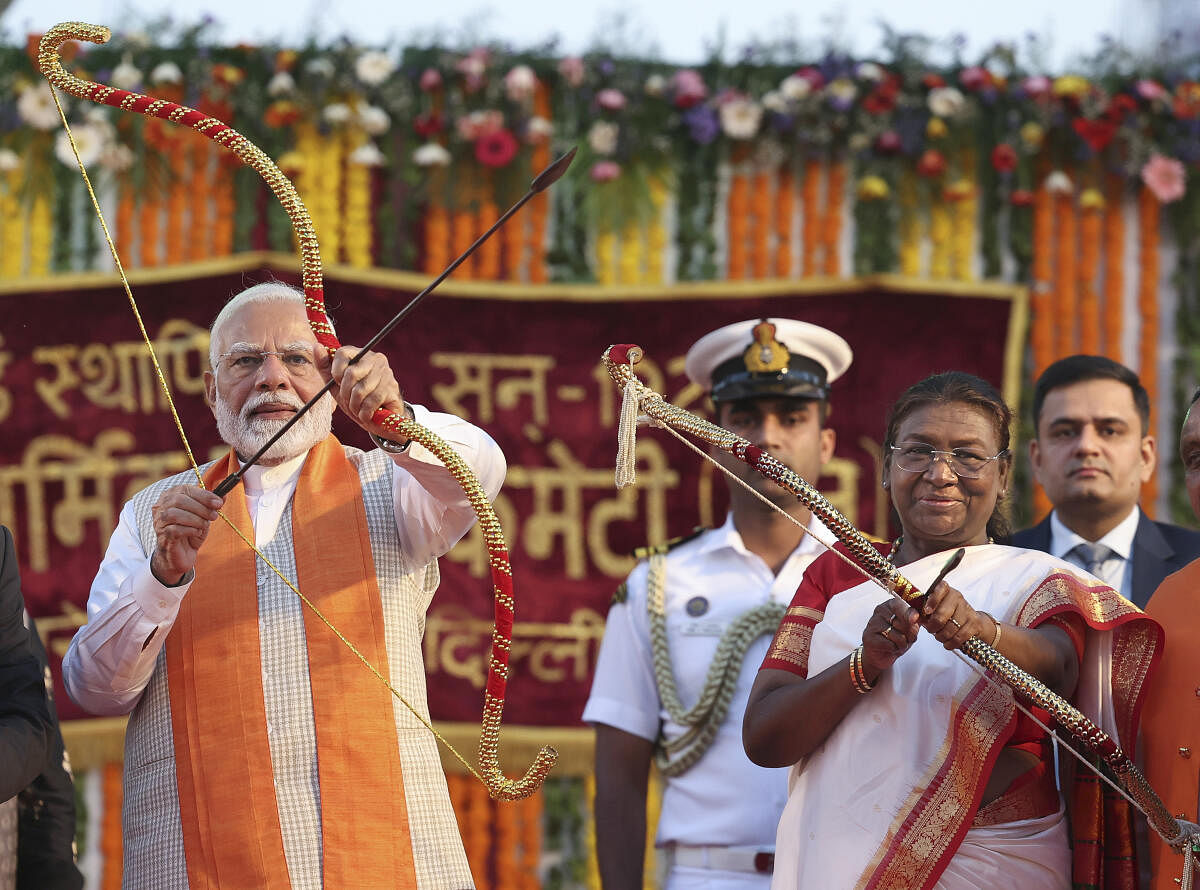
[(245, 362), (917, 457)]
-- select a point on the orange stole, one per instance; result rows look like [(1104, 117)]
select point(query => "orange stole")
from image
[(1171, 719), (230, 817)]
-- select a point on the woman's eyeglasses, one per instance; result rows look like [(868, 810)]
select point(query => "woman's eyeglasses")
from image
[(917, 457)]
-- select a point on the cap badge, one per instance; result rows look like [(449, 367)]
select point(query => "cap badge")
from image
[(765, 354)]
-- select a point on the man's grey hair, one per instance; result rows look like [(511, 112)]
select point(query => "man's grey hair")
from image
[(267, 292)]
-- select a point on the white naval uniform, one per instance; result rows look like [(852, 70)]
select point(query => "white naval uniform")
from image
[(723, 800)]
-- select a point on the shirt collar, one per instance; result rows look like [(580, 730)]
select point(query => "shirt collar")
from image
[(1119, 540), (258, 479), (726, 535)]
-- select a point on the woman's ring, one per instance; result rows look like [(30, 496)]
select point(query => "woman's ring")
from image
[(885, 633)]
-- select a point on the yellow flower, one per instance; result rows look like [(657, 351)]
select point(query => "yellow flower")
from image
[(1091, 199), (1071, 85), (873, 188), (1032, 134), (959, 190), (936, 128)]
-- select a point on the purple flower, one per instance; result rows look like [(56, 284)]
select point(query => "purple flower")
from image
[(702, 124)]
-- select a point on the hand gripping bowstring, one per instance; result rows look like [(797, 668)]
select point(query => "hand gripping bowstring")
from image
[(489, 773), (619, 361)]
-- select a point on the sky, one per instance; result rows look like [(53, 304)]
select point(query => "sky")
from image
[(678, 30)]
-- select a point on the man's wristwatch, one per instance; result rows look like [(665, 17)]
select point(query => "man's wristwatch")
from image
[(390, 445)]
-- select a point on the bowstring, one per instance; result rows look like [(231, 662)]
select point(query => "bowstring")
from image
[(1058, 739), (166, 390)]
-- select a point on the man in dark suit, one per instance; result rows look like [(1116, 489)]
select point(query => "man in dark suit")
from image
[(1092, 452)]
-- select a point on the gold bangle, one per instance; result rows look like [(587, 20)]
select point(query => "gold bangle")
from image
[(996, 638), (858, 679)]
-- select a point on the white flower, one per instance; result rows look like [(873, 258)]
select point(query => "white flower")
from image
[(774, 101), (125, 76), (1059, 183), (945, 101), (320, 67), (869, 71), (36, 107), (431, 154), (602, 137), (656, 85), (166, 72), (336, 113), (374, 67), (116, 157), (374, 120), (538, 129), (794, 87), (139, 39), (519, 83), (90, 141), (281, 83), (367, 155), (740, 118), (9, 160)]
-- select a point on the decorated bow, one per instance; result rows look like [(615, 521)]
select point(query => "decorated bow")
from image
[(499, 786), (619, 361)]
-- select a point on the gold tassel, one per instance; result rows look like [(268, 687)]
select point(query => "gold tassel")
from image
[(627, 436)]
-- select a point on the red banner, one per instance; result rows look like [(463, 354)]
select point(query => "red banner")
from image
[(85, 426)]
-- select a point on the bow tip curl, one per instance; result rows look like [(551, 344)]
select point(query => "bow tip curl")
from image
[(500, 787), (64, 31), (624, 354)]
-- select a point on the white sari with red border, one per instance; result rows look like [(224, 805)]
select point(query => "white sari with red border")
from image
[(888, 800)]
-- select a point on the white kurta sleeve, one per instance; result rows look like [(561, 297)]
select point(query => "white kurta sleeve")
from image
[(111, 658), (624, 692), (432, 513)]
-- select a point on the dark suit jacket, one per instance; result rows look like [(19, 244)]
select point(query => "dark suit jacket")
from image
[(1159, 549), (26, 729)]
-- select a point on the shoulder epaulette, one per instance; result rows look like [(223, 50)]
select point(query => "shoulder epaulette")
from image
[(620, 595), (667, 546), (874, 540)]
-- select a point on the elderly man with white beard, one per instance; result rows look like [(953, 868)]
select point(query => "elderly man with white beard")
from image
[(260, 752)]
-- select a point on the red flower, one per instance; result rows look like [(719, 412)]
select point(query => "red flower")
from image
[(932, 81), (1021, 198), (1096, 133), (429, 124), (879, 102), (976, 78), (888, 142), (1187, 100), (1121, 105), (1004, 158), (495, 149), (281, 114), (932, 164)]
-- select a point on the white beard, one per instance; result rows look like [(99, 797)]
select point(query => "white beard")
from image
[(247, 433)]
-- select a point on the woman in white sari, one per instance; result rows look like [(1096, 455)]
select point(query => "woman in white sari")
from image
[(909, 769)]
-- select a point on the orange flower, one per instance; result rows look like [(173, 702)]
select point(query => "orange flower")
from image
[(281, 114)]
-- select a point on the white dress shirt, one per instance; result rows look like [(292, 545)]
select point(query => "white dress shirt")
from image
[(1117, 570), (724, 799), (130, 612)]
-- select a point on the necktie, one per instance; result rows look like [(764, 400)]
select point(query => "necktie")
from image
[(1092, 556)]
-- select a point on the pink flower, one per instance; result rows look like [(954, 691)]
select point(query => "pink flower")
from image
[(431, 79), (571, 68), (815, 78), (1036, 87), (478, 124), (688, 87), (605, 171), (1165, 177), (1150, 90), (472, 67), (519, 83), (975, 78), (610, 99)]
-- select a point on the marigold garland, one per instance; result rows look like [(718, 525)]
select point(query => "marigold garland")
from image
[(909, 226), (1114, 269), (785, 210), (1065, 310), (1148, 283), (606, 256), (656, 232), (478, 835), (462, 233), (41, 236), (179, 196), (505, 838), (224, 209), (437, 238), (531, 840), (539, 207), (737, 223), (110, 827), (591, 878), (831, 230), (513, 239), (1042, 302), (760, 224), (357, 230), (966, 217), (488, 255), (202, 153), (810, 192), (12, 227), (629, 254), (1090, 232), (939, 236), (149, 234), (330, 181)]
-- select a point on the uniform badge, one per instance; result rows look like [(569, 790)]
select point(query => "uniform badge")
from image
[(696, 606)]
